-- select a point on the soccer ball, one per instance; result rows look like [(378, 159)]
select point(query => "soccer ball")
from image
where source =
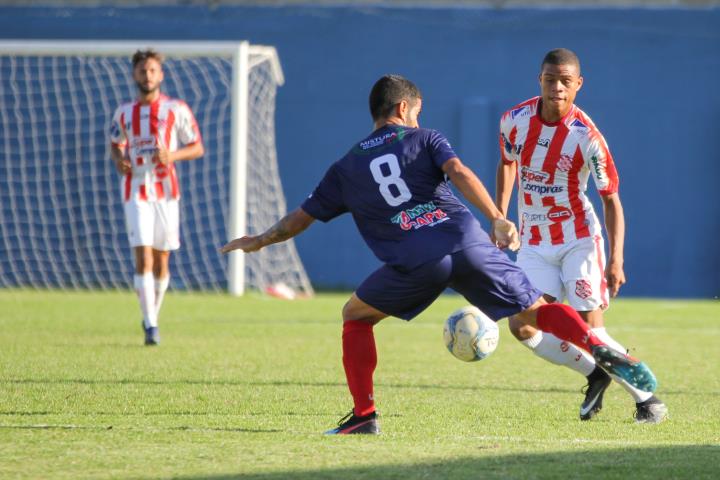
[(470, 335)]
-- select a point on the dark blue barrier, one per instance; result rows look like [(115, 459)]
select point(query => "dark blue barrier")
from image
[(651, 80)]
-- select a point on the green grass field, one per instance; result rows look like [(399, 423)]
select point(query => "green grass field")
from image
[(243, 388)]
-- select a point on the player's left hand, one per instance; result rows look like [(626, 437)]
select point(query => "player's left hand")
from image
[(505, 234), (162, 155), (615, 277), (246, 244)]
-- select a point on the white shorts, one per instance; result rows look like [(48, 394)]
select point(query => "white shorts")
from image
[(153, 224), (574, 271)]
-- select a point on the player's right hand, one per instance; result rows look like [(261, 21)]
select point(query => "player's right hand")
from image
[(505, 234), (246, 244)]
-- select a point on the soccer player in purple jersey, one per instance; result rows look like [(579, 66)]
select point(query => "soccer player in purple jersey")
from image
[(395, 184)]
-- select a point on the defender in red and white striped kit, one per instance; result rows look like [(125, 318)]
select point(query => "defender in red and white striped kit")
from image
[(551, 148), (147, 137)]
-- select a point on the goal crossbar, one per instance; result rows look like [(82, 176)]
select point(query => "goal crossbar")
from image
[(121, 48)]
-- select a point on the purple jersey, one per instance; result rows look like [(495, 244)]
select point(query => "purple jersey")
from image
[(393, 185)]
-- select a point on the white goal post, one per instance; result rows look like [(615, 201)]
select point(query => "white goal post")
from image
[(68, 85)]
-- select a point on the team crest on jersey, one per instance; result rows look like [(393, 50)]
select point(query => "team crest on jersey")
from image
[(423, 215), (583, 289), (520, 112), (565, 163), (578, 123)]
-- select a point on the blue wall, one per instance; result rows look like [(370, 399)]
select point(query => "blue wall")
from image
[(651, 80)]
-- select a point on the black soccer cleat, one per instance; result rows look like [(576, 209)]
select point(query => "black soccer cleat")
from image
[(352, 424), (652, 410), (598, 382), (152, 335), (630, 369)]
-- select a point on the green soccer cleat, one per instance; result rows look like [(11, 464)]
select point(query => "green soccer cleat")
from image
[(630, 369)]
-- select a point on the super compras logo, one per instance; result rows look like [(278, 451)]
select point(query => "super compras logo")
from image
[(423, 215), (543, 189), (529, 175), (144, 147)]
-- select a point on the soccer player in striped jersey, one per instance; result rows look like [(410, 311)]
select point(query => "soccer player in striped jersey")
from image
[(394, 182), (551, 148), (147, 137)]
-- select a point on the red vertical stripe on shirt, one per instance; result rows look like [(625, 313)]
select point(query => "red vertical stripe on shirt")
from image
[(169, 123), (128, 185), (122, 125), (142, 192), (154, 106), (534, 235), (174, 187), (159, 190), (581, 227), (553, 154), (556, 230), (136, 119), (534, 130), (528, 199)]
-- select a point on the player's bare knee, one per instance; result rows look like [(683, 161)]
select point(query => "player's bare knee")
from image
[(593, 318), (520, 329), (143, 261)]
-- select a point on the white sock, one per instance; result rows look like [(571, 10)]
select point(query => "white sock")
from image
[(161, 286), (145, 289), (637, 394), (551, 348)]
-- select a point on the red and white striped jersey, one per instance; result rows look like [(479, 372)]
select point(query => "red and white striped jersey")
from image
[(141, 128), (554, 162)]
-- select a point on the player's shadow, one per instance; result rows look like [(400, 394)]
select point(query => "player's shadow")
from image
[(594, 462), (339, 384)]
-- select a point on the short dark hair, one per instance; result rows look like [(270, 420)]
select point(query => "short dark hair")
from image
[(388, 92), (142, 55), (561, 56)]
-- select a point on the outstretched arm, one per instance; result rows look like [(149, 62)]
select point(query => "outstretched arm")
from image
[(287, 227), (503, 231), (615, 226)]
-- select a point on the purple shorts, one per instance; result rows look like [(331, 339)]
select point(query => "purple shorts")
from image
[(483, 274)]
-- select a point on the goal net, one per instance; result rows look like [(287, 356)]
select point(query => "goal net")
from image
[(61, 214)]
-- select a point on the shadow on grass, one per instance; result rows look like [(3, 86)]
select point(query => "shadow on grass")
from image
[(144, 429), (672, 462), (294, 383)]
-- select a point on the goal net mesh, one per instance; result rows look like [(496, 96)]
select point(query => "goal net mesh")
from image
[(61, 214)]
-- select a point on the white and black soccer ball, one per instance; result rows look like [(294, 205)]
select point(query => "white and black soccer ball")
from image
[(470, 335)]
